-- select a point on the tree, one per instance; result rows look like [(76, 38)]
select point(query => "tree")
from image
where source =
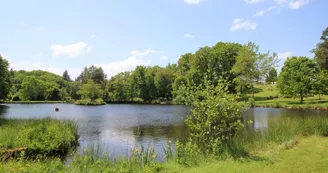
[(33, 89), (321, 51), (272, 76), (252, 66), (320, 84), (90, 90), (5, 83), (93, 73), (163, 82), (215, 117), (66, 76), (297, 76)]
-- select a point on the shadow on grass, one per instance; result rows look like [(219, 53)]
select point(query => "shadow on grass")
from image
[(238, 153)]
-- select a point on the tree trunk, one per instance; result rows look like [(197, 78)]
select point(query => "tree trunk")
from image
[(302, 97), (253, 91)]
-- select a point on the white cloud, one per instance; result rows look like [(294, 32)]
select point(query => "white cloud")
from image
[(285, 55), (139, 53), (297, 4), (243, 24), (262, 12), (70, 50), (128, 64), (189, 36), (92, 36), (193, 1), (253, 1), (163, 58)]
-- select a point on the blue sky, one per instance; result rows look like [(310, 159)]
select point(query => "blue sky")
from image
[(121, 34)]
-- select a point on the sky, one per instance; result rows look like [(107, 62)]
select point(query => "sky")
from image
[(118, 35)]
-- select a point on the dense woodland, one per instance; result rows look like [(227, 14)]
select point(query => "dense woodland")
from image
[(240, 66)]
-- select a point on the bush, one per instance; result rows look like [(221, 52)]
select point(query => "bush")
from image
[(251, 102), (216, 116)]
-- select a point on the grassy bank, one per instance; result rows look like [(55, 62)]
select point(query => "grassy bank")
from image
[(32, 102), (268, 96), (291, 144), (39, 136), (90, 102)]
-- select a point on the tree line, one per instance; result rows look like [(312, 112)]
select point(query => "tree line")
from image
[(241, 66)]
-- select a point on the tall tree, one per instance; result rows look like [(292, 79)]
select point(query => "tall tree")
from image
[(252, 66), (321, 51), (66, 76), (90, 90), (272, 76), (297, 76), (5, 83)]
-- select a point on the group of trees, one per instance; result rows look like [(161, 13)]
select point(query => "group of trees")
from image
[(241, 66), (302, 76), (222, 61)]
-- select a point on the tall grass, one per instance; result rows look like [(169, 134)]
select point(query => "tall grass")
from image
[(40, 136), (281, 130)]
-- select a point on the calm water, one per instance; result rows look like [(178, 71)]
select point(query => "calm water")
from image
[(120, 128)]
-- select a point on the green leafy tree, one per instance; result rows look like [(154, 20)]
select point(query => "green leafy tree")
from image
[(33, 89), (5, 83), (140, 84), (66, 76), (90, 90), (297, 76), (163, 81), (216, 116), (321, 51), (119, 87), (252, 66), (320, 84), (272, 76)]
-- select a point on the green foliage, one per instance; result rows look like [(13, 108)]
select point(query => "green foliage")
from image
[(216, 116), (90, 90), (188, 154), (66, 76), (5, 82), (296, 77), (272, 76), (321, 51), (320, 84), (96, 74), (40, 136), (252, 66)]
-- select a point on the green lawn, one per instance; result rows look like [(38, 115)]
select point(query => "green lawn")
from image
[(268, 96), (309, 155)]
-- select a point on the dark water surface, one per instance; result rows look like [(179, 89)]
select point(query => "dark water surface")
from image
[(120, 128)]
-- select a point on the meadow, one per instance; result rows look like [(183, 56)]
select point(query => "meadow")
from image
[(268, 96)]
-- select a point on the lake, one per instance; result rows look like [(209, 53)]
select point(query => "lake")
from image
[(118, 128)]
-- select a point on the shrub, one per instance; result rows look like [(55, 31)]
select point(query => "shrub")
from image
[(216, 116)]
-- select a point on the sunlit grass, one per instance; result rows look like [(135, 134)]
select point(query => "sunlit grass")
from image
[(38, 135), (268, 96)]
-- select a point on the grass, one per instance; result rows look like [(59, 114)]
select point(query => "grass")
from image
[(32, 102), (98, 101), (268, 96), (40, 136)]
